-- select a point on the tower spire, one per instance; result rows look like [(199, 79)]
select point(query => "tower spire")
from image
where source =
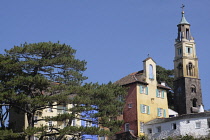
[(187, 86), (183, 19)]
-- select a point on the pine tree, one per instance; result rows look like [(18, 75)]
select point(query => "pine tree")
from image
[(44, 75)]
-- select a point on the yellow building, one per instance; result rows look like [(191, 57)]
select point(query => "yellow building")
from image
[(18, 121), (146, 99)]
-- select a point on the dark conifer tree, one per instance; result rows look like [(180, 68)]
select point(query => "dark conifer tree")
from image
[(37, 76)]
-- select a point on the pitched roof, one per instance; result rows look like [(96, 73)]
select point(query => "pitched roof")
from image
[(164, 87), (137, 77), (185, 116), (132, 78)]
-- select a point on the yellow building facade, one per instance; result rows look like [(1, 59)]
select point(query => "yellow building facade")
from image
[(146, 99)]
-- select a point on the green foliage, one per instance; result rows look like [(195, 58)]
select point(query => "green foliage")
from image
[(165, 75), (10, 135), (37, 76)]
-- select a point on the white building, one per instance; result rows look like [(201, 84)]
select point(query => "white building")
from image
[(196, 125)]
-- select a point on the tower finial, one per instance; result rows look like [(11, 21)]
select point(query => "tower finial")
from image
[(183, 7)]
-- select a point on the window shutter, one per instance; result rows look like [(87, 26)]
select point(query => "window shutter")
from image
[(190, 50), (141, 108), (186, 49), (148, 110), (158, 112), (164, 113), (146, 90), (140, 89), (162, 94), (156, 92)]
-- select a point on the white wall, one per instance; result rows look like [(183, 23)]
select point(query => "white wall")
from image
[(182, 128)]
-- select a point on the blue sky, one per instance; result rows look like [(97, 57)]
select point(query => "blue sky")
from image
[(113, 36)]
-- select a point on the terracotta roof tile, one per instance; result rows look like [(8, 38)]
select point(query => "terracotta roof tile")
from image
[(132, 78)]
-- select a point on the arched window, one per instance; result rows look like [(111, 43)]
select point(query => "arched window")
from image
[(180, 70), (151, 73), (194, 102), (193, 89), (190, 68)]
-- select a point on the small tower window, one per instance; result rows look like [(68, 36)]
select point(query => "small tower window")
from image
[(187, 34), (188, 50), (194, 102), (179, 51), (193, 89), (151, 74)]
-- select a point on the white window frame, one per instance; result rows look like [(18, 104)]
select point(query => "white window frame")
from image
[(159, 93), (50, 124), (144, 108), (50, 109), (188, 50), (74, 122), (198, 125), (173, 126), (88, 123), (127, 127), (129, 105), (141, 127), (160, 112), (143, 89)]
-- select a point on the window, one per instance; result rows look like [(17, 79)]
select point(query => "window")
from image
[(120, 98), (193, 89), (129, 105), (194, 102), (127, 127), (50, 109), (149, 130), (190, 69), (173, 126), (179, 51), (160, 93), (198, 125), (141, 127), (143, 89), (50, 123), (161, 112), (35, 119), (88, 123), (73, 122), (151, 74), (145, 109), (208, 122), (158, 129), (188, 50), (61, 109)]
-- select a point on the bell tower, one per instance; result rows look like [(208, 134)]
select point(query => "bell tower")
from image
[(187, 88)]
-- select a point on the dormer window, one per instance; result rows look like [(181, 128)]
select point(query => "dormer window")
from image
[(151, 73)]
